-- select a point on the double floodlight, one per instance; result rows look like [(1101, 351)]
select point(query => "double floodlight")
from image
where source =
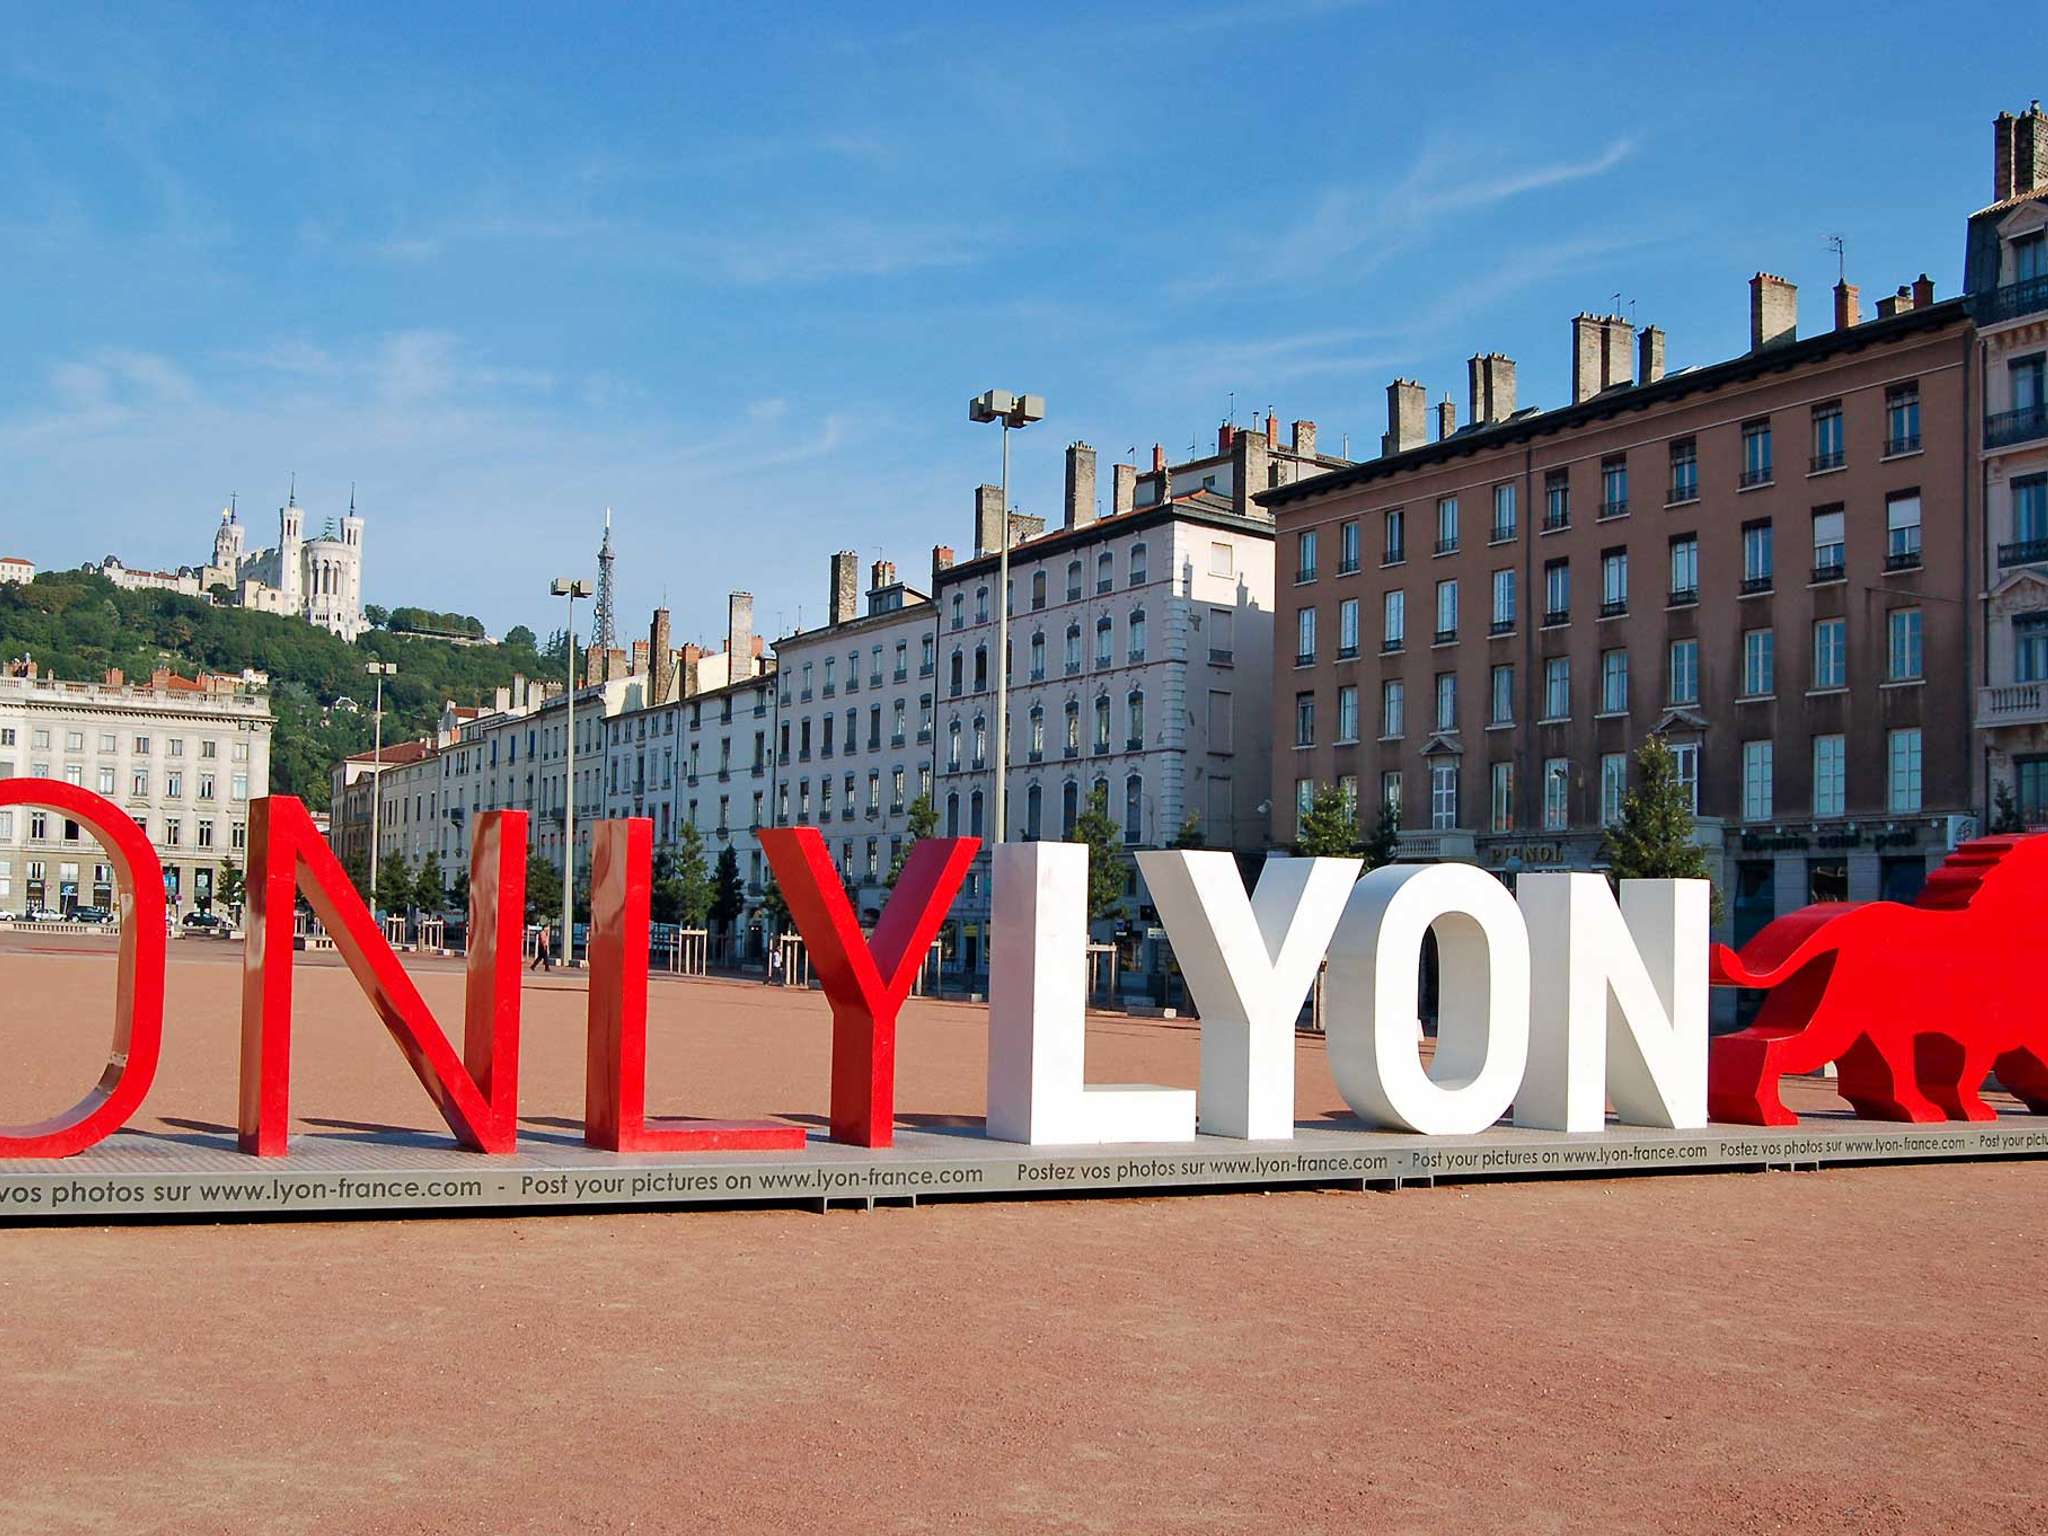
[(562, 586), (1011, 410)]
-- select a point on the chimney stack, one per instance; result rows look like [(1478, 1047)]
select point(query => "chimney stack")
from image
[(2003, 130), (882, 575), (842, 602), (662, 654), (1617, 351), (739, 636), (2030, 150), (1305, 439), (1492, 388), (1446, 418), (1123, 489), (1773, 311), (988, 519), (1848, 305), (637, 666), (1649, 355), (1407, 404), (693, 653), (1158, 458), (942, 560), (1601, 354), (1225, 436), (1080, 484), (1923, 291), (1272, 430)]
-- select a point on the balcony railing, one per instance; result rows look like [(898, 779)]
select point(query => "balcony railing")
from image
[(1902, 560), (1682, 492), (1304, 573), (1908, 442), (1556, 519), (1613, 607), (1447, 546), (1304, 658), (1556, 616), (1684, 597), (1618, 508), (1347, 567), (1829, 570), (1219, 655), (1347, 653), (1752, 585), (2025, 552), (1501, 627), (1502, 533), (1391, 644), (2013, 704), (1753, 477), (2009, 427), (2011, 301), (1833, 459), (1445, 637)]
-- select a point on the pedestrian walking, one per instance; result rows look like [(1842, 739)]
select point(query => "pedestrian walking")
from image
[(543, 952)]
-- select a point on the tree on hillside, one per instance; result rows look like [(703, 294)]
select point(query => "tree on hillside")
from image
[(1654, 839), (1328, 829), (729, 893), (378, 615), (520, 638), (923, 822), (1106, 860)]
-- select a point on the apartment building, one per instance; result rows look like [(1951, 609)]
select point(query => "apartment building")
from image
[(182, 756), (2006, 276), (1766, 561), (1140, 645), (854, 723)]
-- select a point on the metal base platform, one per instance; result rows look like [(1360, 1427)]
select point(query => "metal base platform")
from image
[(200, 1175)]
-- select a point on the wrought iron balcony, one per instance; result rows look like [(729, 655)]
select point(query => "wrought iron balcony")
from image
[(1447, 546), (2010, 302), (1501, 627), (1902, 560), (1830, 570), (1682, 492), (1392, 644), (2008, 427), (1752, 585), (1502, 533), (1684, 597), (1761, 475), (1613, 607), (1556, 616), (1833, 459), (2025, 552), (1616, 508), (1556, 521), (1907, 442), (1445, 637)]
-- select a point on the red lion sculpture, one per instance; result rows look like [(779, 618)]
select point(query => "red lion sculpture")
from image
[(1914, 1004)]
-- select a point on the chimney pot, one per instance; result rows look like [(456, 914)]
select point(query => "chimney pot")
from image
[(1407, 404), (1848, 305), (942, 560), (2029, 151), (1491, 380), (1159, 460), (1272, 430), (988, 519), (1649, 355), (1123, 489), (1225, 436), (1773, 311), (1588, 333), (1923, 291), (1080, 484), (841, 600), (1446, 418), (1305, 439), (739, 635)]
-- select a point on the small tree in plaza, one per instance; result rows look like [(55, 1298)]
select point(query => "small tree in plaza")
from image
[(429, 886), (1329, 827), (682, 880), (1383, 843), (543, 890), (394, 882), (1190, 834), (1653, 840), (1106, 877), (728, 893), (924, 822), (229, 888)]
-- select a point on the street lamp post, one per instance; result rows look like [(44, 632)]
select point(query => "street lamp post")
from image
[(563, 586), (1000, 405), (379, 670)]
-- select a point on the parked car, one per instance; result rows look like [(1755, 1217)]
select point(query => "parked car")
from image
[(208, 922), (42, 915), (91, 915)]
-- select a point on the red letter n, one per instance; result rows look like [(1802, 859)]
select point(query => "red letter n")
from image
[(615, 1075), (477, 1094), (865, 985)]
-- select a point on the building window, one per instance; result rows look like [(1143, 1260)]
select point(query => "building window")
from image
[(1613, 583), (1756, 453), (1902, 531), (1304, 800), (1073, 655), (1134, 809), (1447, 525), (1557, 500), (1347, 714), (1396, 548), (1070, 807), (1685, 568), (1757, 565), (1614, 682), (1347, 547), (1903, 652), (1073, 580), (1393, 708), (1304, 636), (1685, 672), (1828, 452), (1037, 590), (1503, 601), (1446, 611), (1903, 771), (1394, 621), (1136, 627), (1305, 556), (1830, 774), (1902, 418), (1347, 629), (1390, 791), (1443, 796), (1222, 560), (1557, 788), (1759, 657), (1557, 591), (1827, 544), (1501, 697), (1613, 786), (1105, 640), (1105, 572), (1685, 769), (1685, 472), (1073, 741), (1304, 719), (1557, 688), (1034, 811), (1447, 701), (1503, 513), (1614, 485), (1831, 653), (2030, 648), (1756, 781), (1501, 817), (1139, 566), (1102, 722)]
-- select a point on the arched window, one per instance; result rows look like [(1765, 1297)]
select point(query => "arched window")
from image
[(980, 741), (1134, 719), (1034, 804), (1038, 656), (1037, 590), (1070, 807), (1134, 809), (1073, 580), (953, 814), (981, 605), (1073, 649), (1073, 726), (959, 609), (1105, 639), (1137, 629), (954, 678), (1037, 745), (1137, 576), (1105, 571), (974, 814), (980, 668), (1102, 722), (953, 745)]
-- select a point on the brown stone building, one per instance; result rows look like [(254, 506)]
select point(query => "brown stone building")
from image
[(1768, 560)]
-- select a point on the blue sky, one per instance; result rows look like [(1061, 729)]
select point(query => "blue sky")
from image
[(736, 270)]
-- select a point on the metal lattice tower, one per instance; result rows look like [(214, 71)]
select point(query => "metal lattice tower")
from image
[(604, 631)]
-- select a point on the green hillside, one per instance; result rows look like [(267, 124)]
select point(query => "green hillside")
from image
[(77, 625)]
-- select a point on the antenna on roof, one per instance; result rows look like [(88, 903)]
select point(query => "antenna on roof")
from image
[(1233, 407), (291, 497), (1840, 247)]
